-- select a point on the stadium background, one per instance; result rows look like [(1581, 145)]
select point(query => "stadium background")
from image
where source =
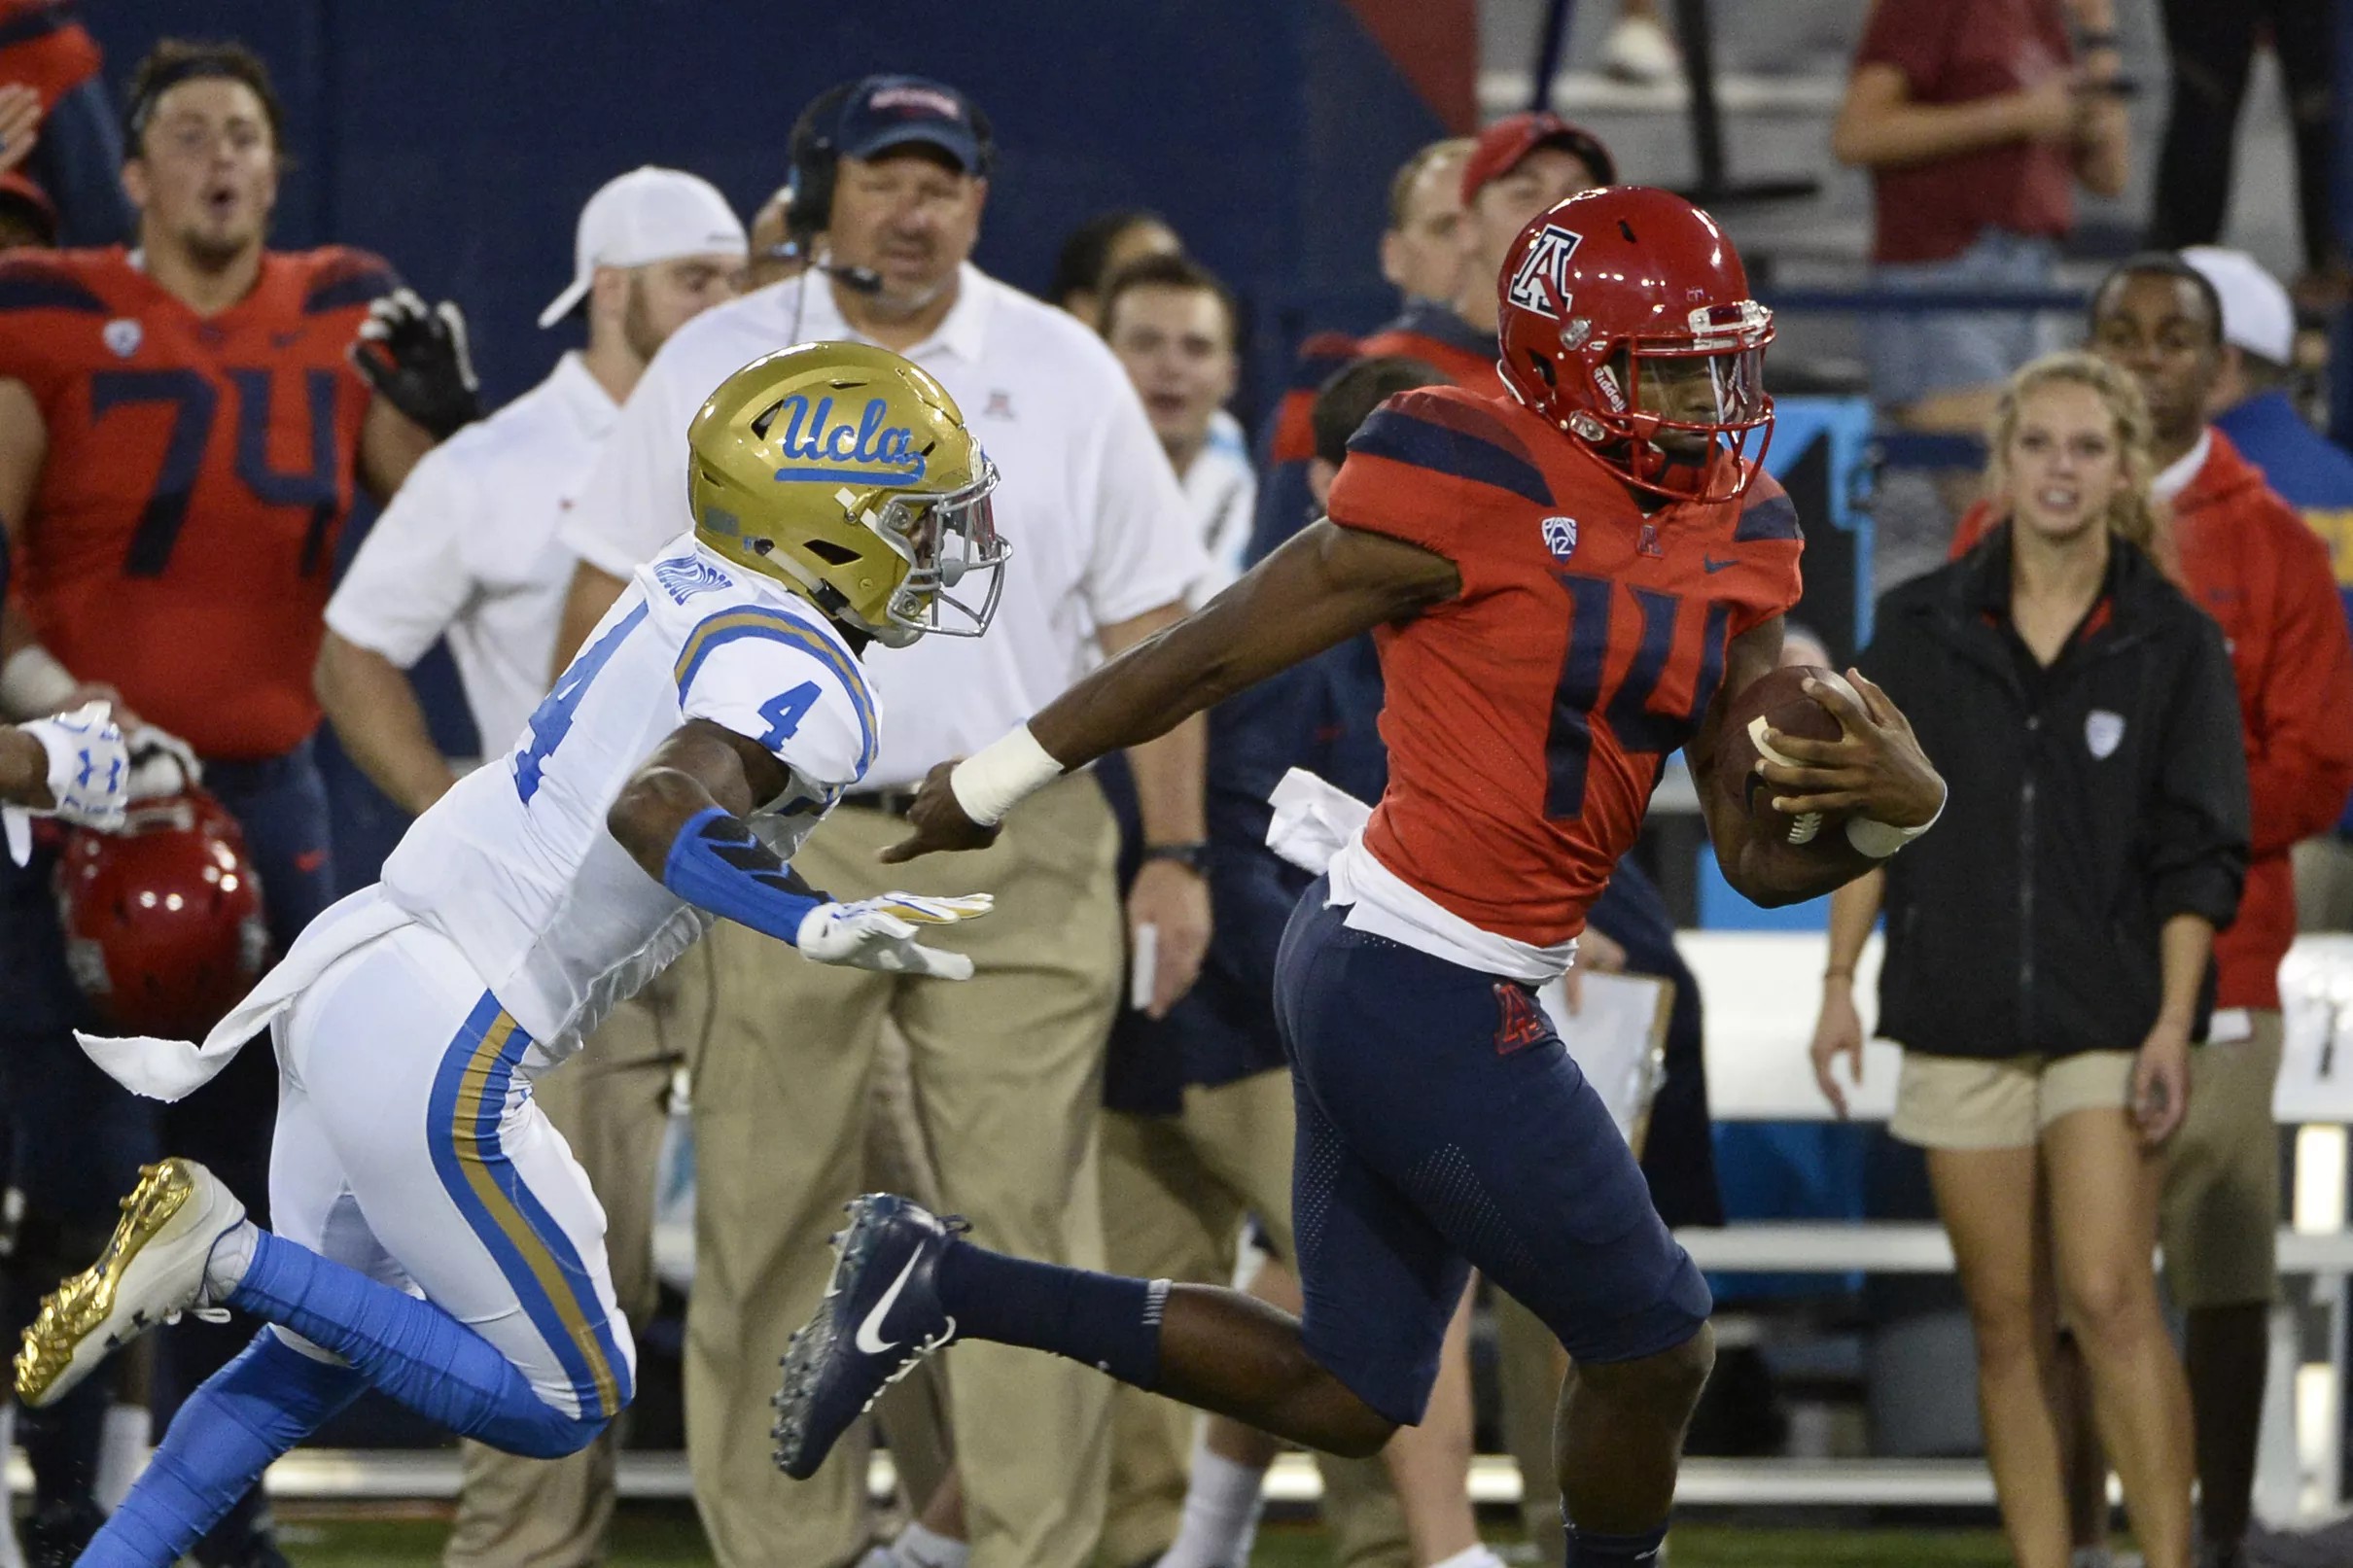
[(459, 138)]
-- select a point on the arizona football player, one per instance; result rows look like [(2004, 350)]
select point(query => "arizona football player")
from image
[(1565, 585), (718, 712), (181, 428)]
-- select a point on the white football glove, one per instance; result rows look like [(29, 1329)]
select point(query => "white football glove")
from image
[(160, 763), (879, 933), (88, 773)]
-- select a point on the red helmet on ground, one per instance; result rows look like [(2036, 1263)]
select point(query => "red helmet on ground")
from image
[(163, 927), (1625, 321)]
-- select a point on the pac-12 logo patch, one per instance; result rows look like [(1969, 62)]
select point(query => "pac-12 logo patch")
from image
[(2103, 733), (1561, 537), (1543, 272), (123, 336)]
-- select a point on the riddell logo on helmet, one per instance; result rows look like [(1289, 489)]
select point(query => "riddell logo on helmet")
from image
[(1543, 274), (816, 449)]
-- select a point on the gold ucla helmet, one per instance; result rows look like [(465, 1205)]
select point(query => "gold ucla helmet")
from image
[(847, 473)]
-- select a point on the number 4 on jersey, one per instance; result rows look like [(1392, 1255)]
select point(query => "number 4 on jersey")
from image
[(551, 720)]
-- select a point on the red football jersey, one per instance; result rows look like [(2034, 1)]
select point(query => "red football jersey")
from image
[(198, 470), (1529, 718)]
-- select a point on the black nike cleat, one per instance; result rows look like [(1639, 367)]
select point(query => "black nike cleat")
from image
[(880, 1315)]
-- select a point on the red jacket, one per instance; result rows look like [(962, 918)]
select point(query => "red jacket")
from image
[(2248, 559)]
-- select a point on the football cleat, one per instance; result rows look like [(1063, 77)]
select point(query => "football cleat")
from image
[(151, 1271), (880, 1315)]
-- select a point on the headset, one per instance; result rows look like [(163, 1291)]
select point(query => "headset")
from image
[(815, 151)]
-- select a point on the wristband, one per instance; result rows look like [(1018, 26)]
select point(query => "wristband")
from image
[(34, 684), (2105, 38), (1879, 840), (998, 777), (715, 863), (1193, 855)]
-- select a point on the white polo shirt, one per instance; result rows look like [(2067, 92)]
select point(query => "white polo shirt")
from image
[(469, 548), (1101, 533)]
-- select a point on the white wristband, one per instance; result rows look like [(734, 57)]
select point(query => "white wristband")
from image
[(998, 777), (33, 685), (1879, 840)]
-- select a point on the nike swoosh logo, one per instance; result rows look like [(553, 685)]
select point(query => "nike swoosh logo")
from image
[(870, 1333), (1715, 566)]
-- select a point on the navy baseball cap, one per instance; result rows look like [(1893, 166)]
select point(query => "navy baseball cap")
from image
[(883, 112)]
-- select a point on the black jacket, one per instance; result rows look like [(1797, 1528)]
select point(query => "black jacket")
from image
[(2091, 801)]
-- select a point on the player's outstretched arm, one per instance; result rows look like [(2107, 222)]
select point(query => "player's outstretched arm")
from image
[(1327, 584), (681, 819), (1876, 770)]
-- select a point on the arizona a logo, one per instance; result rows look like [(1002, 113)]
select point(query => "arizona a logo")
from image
[(1546, 263)]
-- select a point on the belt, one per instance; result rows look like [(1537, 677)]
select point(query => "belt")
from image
[(889, 802)]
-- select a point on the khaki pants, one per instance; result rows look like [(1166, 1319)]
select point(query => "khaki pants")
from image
[(1175, 1191), (610, 1103), (2219, 1217), (1007, 1070)]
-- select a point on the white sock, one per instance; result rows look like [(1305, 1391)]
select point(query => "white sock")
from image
[(232, 1255), (920, 1548), (1222, 1502), (2091, 1557), (1479, 1556)]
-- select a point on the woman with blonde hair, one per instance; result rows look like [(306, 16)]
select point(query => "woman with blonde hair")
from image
[(2046, 952)]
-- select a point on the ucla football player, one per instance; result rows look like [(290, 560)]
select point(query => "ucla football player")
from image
[(434, 1237)]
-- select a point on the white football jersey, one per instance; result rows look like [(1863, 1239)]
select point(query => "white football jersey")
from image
[(516, 865)]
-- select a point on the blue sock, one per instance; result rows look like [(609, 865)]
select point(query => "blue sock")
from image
[(241, 1419), (410, 1350), (1109, 1322), (1588, 1550)]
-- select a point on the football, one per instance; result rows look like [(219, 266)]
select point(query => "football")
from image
[(1777, 702)]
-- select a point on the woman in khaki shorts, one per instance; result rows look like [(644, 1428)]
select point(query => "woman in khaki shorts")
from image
[(2047, 963)]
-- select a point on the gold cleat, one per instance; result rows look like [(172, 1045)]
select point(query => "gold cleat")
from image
[(151, 1271)]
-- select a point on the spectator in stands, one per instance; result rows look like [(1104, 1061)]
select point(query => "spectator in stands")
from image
[(1977, 123), (1178, 332), (1007, 1076), (1421, 248), (2048, 954), (468, 550), (1100, 247), (1520, 166), (2212, 47), (2253, 404), (1516, 168)]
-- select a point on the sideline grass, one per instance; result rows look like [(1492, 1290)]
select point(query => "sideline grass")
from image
[(647, 1537)]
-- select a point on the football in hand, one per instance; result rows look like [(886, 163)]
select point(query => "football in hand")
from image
[(1777, 702)]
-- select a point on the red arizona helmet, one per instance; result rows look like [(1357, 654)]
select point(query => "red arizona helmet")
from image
[(1606, 301), (163, 927)]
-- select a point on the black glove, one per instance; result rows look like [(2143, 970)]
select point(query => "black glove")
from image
[(414, 356)]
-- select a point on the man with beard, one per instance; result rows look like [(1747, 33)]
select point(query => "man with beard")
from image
[(469, 550), (181, 428)]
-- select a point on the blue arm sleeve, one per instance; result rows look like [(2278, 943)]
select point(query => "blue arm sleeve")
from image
[(716, 865)]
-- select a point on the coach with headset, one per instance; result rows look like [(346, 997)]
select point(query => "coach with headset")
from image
[(890, 177)]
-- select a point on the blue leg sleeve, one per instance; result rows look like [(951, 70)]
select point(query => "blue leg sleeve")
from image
[(262, 1403), (410, 1350)]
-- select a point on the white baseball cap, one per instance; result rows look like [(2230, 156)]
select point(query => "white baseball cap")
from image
[(2257, 315), (648, 214)]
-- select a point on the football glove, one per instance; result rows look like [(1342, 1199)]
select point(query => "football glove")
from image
[(88, 773), (160, 763), (415, 355), (879, 933)]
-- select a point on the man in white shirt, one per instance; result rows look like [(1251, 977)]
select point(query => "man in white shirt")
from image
[(891, 175), (1177, 334), (468, 549)]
